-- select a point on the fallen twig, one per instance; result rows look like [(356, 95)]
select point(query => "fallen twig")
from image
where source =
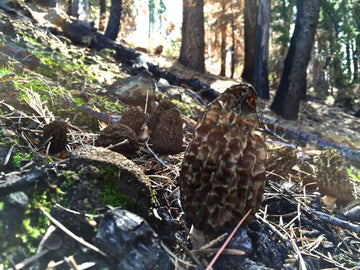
[(227, 241), (71, 234), (337, 222)]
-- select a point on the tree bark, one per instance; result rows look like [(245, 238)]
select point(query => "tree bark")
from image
[(73, 8), (356, 59), (223, 51), (193, 44), (102, 15), (260, 79), (112, 29), (249, 25), (293, 81)]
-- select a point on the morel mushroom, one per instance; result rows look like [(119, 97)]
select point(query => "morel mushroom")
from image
[(223, 171), (332, 176)]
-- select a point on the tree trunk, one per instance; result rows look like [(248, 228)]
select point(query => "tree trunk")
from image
[(293, 81), (102, 15), (249, 25), (113, 26), (223, 51), (73, 8), (193, 45), (356, 59), (233, 48), (260, 79)]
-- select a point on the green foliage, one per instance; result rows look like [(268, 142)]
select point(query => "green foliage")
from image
[(282, 17), (353, 173), (338, 29), (111, 106), (19, 157)]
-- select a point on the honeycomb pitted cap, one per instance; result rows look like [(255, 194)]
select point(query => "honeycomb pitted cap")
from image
[(223, 172)]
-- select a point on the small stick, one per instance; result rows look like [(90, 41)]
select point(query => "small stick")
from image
[(227, 241), (71, 234), (155, 156)]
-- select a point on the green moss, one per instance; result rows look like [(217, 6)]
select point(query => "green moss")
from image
[(354, 173)]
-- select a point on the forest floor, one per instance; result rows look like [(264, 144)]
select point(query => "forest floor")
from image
[(40, 70)]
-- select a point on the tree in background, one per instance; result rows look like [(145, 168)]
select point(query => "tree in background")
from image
[(102, 17), (260, 74), (73, 8), (193, 44), (250, 12), (293, 81), (113, 26)]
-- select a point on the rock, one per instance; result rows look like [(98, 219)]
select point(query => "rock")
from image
[(130, 242), (266, 251), (57, 17), (57, 130), (136, 90), (6, 27), (16, 202), (21, 54), (131, 181), (166, 129), (134, 118), (115, 134)]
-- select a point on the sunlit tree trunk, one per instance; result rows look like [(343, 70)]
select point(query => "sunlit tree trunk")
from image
[(293, 81), (193, 45)]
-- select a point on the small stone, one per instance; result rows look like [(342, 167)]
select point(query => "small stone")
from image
[(136, 90), (16, 202), (53, 242), (130, 242)]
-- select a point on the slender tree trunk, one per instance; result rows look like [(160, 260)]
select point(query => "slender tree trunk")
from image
[(193, 45), (260, 79), (112, 29), (233, 60), (102, 15), (293, 81), (249, 25), (223, 51), (356, 59), (73, 8)]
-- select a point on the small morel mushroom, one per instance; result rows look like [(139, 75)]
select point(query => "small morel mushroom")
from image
[(114, 136), (223, 171), (166, 128), (134, 118), (332, 177), (280, 161), (55, 133)]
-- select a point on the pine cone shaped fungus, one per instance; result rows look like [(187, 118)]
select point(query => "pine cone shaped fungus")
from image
[(332, 177), (223, 171)]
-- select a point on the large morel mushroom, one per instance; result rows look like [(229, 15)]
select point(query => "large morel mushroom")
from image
[(223, 171)]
